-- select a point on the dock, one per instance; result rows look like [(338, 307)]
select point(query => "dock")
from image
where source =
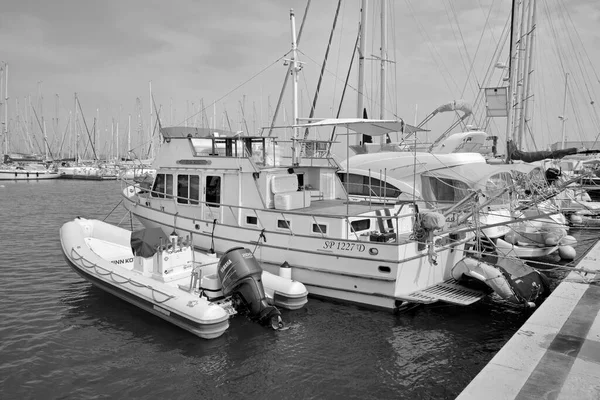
[(556, 353)]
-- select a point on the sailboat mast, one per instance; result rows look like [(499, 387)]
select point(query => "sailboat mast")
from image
[(563, 117), (150, 135), (112, 138), (528, 67), (5, 124), (361, 60), (45, 140), (518, 88), (383, 58), (382, 93), (77, 129), (129, 135), (295, 69), (117, 140), (511, 77), (70, 153)]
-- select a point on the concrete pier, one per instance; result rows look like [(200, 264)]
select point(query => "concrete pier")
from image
[(556, 353)]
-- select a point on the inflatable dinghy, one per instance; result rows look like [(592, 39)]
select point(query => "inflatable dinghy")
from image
[(162, 274)]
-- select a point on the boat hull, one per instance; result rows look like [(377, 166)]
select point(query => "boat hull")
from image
[(23, 175), (192, 313), (203, 330), (168, 283), (370, 273), (87, 173)]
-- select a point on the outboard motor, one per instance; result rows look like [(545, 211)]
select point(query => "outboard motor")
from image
[(240, 276)]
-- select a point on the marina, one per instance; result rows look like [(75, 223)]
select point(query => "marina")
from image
[(91, 343), (208, 239)]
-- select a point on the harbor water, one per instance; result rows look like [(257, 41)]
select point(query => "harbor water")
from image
[(61, 338)]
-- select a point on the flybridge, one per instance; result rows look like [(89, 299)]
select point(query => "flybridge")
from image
[(263, 151)]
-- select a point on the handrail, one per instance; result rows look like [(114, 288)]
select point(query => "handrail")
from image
[(286, 214), (268, 210)]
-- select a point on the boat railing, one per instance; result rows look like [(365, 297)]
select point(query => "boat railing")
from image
[(195, 202), (318, 220)]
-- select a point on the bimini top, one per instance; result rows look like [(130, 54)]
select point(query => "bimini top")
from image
[(371, 127)]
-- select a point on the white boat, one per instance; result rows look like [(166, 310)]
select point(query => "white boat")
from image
[(136, 173), (228, 191), (162, 275), (442, 181), (87, 172), (285, 198), (27, 172)]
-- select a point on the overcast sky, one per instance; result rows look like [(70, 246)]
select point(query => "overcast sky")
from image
[(197, 52)]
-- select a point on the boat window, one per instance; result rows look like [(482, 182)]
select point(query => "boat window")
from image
[(182, 188), (284, 224), (300, 180), (169, 186), (202, 146), (361, 225), (494, 187), (188, 189), (361, 185), (194, 189), (445, 190), (251, 220), (319, 228), (213, 191), (163, 186)]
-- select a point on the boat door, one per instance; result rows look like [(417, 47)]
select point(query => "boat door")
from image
[(213, 197)]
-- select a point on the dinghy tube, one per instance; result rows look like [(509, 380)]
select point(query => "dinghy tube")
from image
[(513, 280)]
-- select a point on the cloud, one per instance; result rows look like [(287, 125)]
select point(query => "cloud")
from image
[(108, 51)]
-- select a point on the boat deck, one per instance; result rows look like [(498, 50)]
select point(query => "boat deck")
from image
[(556, 353), (336, 207), (339, 207)]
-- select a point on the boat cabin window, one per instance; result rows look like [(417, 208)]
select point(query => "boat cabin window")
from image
[(284, 224), (250, 220), (315, 149), (319, 228), (361, 225), (163, 186), (445, 190), (213, 191), (300, 180), (361, 185), (260, 149), (494, 187), (202, 146), (188, 189), (224, 146)]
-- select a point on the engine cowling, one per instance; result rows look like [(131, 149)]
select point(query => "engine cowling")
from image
[(241, 278)]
